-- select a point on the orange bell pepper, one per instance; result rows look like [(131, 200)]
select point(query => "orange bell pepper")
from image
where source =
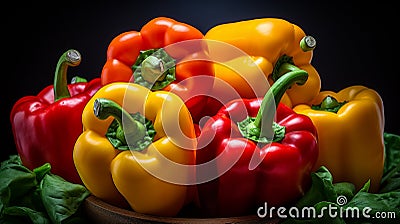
[(153, 58)]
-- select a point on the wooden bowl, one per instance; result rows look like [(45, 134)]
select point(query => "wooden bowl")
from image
[(100, 212)]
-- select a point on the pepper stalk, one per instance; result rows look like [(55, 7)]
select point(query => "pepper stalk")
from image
[(138, 130), (69, 58), (330, 104), (307, 43), (263, 128), (154, 69)]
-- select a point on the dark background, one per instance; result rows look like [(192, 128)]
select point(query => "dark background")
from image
[(356, 43)]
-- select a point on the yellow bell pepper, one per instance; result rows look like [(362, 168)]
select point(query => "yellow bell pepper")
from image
[(271, 43), (350, 126), (131, 136)]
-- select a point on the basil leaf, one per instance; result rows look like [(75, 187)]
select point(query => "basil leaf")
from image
[(61, 199), (375, 203), (328, 212), (21, 212), (391, 176), (37, 196), (16, 182), (345, 189), (321, 189), (392, 150), (13, 159)]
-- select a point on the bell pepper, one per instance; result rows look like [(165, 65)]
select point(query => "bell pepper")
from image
[(46, 126), (256, 154), (350, 125), (164, 55), (268, 42), (131, 137)]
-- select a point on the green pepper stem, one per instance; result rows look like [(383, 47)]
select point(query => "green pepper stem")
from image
[(308, 43), (330, 104), (69, 58), (78, 79), (275, 93), (263, 126), (154, 69), (135, 130)]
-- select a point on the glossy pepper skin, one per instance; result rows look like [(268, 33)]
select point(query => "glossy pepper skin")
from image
[(350, 125), (46, 126), (285, 163), (267, 41), (124, 51), (120, 175)]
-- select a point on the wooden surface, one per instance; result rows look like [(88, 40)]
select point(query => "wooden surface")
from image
[(100, 212)]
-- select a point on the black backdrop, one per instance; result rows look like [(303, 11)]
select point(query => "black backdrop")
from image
[(356, 44)]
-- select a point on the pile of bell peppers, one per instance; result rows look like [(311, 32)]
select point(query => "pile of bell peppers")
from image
[(164, 97)]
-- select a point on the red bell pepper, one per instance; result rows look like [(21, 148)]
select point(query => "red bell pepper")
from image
[(46, 126), (163, 55), (258, 150)]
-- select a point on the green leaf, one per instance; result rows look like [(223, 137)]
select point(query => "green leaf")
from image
[(16, 182), (22, 196), (13, 159), (366, 186), (345, 189), (21, 212), (328, 212), (392, 150), (321, 189), (61, 199), (41, 171), (374, 203), (391, 176)]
